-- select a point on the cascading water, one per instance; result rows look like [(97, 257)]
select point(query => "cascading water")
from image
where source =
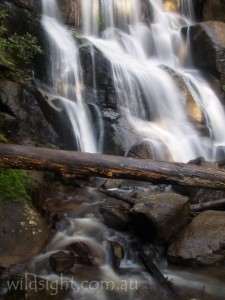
[(146, 95), (139, 51), (65, 76)]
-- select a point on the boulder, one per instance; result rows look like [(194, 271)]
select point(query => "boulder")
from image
[(141, 150), (117, 253), (161, 215), (87, 254), (23, 233), (207, 43), (21, 102), (115, 214), (201, 242), (61, 261)]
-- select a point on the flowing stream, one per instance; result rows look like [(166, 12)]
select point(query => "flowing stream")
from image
[(140, 50)]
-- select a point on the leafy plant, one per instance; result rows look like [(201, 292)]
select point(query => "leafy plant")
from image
[(14, 184), (16, 51), (223, 87)]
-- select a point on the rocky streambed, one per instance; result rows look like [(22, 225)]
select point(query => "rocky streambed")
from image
[(80, 243)]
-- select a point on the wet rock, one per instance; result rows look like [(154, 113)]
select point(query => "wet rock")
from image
[(208, 47), (141, 150), (33, 287), (23, 233), (171, 5), (70, 11), (86, 254), (30, 4), (115, 214), (201, 241), (117, 251), (194, 110), (21, 103), (61, 261), (161, 215), (213, 10)]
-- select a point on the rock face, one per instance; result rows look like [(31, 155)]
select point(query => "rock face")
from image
[(208, 47), (70, 11), (161, 215), (30, 4), (22, 236), (214, 10), (21, 103), (201, 242), (194, 110), (171, 5)]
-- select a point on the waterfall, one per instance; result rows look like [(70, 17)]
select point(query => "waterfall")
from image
[(140, 41), (187, 9), (65, 76)]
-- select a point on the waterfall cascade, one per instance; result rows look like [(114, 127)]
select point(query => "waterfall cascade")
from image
[(138, 49), (65, 76)]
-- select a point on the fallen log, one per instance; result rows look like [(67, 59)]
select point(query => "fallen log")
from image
[(207, 205), (119, 196), (108, 166)]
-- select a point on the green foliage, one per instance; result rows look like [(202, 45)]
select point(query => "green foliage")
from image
[(3, 139), (14, 184), (223, 87), (16, 51)]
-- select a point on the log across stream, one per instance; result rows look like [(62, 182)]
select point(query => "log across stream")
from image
[(108, 166)]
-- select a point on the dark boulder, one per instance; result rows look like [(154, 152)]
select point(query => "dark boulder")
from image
[(207, 42), (23, 233), (160, 215), (201, 242)]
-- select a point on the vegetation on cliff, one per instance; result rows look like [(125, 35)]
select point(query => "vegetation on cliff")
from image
[(14, 184), (16, 51)]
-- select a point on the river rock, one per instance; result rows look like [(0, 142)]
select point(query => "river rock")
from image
[(23, 233), (115, 214), (207, 43), (161, 215), (201, 242), (61, 261), (87, 254), (117, 252)]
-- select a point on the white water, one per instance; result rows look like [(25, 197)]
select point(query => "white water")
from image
[(147, 96), (65, 76)]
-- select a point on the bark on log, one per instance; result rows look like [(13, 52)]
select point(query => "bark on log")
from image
[(69, 162), (207, 205)]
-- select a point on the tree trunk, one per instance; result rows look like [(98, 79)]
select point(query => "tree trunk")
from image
[(207, 205), (68, 162)]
